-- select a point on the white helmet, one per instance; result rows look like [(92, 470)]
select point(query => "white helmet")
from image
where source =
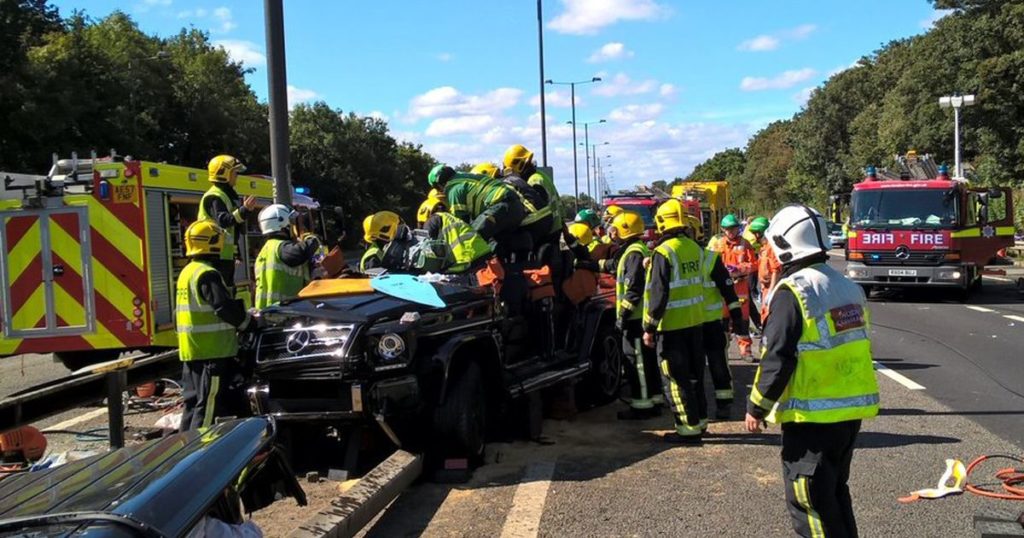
[(275, 218), (797, 232)]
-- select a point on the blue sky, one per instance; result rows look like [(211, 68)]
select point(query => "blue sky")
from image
[(681, 79)]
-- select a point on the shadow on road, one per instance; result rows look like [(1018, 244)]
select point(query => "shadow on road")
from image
[(921, 412), (900, 364), (868, 439)]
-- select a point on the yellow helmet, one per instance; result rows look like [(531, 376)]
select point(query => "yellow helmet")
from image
[(437, 195), (223, 168), (628, 224), (485, 169), (203, 237), (428, 208), (669, 215), (690, 221), (582, 232), (381, 226), (517, 157), (610, 212)]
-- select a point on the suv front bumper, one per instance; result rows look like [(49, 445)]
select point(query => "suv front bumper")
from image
[(342, 401), (951, 276)]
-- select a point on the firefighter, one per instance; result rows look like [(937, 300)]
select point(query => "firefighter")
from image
[(283, 264), (754, 234), (486, 169), (421, 214), (493, 209), (816, 377), (208, 316), (606, 221), (739, 258), (630, 278), (222, 204), (468, 250), (378, 230), (584, 235), (672, 320), (590, 218), (719, 295)]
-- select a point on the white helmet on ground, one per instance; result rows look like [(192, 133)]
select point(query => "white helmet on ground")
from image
[(275, 218), (797, 232)]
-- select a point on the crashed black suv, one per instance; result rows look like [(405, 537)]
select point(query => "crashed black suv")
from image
[(432, 378)]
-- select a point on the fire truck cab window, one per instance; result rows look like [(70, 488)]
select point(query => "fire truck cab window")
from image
[(909, 208), (643, 210)]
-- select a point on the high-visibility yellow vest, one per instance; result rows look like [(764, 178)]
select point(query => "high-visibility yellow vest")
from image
[(554, 200), (201, 334), (713, 300), (465, 244), (276, 280), (228, 252), (373, 251), (686, 288), (621, 303), (834, 379)]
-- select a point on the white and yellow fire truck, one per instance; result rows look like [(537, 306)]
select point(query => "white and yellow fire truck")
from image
[(91, 252)]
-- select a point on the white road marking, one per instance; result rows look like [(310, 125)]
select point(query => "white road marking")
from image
[(1015, 318), (523, 520), (898, 377), (980, 308), (999, 278), (72, 422)]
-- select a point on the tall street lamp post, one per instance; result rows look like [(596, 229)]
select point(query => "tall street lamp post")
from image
[(956, 102), (572, 99)]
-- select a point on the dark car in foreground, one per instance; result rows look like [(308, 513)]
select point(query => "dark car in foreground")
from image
[(165, 487), (431, 378)]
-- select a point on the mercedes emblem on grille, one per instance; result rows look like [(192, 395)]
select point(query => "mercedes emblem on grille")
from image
[(297, 341), (902, 253)]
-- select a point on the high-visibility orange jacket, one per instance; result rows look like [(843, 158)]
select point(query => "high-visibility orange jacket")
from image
[(740, 259)]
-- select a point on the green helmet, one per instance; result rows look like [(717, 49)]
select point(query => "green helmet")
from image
[(589, 217), (730, 221), (759, 225), (440, 174)]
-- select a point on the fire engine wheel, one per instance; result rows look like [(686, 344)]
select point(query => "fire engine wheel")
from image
[(76, 360), (604, 380), (460, 423)]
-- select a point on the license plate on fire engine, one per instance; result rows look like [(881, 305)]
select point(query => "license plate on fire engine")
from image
[(124, 194), (902, 272)]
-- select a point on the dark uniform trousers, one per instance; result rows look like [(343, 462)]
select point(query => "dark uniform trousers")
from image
[(816, 463), (681, 355), (210, 389), (641, 362), (716, 348)]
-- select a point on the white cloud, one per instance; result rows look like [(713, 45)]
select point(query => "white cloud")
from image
[(377, 114), (936, 15), (667, 90), (621, 84), (445, 57), (786, 79), (157, 2), (760, 43), (589, 16), (769, 42), (460, 125), (300, 95), (193, 13), (610, 51), (244, 52), (560, 99), (635, 113), (803, 95), (446, 101), (223, 16)]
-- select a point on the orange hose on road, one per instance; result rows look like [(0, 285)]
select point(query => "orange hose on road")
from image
[(1008, 477)]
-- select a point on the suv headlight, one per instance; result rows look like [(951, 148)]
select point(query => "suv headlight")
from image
[(390, 347)]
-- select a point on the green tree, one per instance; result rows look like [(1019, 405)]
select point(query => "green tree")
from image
[(725, 165), (769, 156)]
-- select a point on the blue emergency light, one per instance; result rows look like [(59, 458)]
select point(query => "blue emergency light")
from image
[(301, 190), (875, 257)]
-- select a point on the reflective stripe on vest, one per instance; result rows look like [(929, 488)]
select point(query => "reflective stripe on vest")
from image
[(686, 288), (834, 379), (201, 334), (620, 280), (276, 280), (713, 300), (228, 252), (464, 243), (555, 208), (373, 251)]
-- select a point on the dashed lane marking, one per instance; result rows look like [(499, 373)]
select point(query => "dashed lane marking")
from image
[(898, 377), (1015, 318), (979, 308), (523, 520)]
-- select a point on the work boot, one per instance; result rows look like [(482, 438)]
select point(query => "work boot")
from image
[(684, 440), (658, 400), (638, 414), (723, 411)]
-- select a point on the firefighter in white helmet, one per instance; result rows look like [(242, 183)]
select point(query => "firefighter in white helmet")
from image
[(816, 377), (221, 204), (283, 264)]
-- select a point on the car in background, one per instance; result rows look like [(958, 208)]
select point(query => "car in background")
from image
[(642, 204), (837, 235)]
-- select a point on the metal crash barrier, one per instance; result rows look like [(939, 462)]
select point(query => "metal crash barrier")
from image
[(107, 379)]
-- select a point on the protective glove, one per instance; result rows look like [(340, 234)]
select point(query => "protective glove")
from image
[(580, 252), (736, 316)]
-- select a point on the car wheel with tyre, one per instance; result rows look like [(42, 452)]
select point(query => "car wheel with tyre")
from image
[(460, 422), (602, 383)]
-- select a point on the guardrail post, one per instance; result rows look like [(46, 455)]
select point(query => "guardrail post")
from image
[(116, 382)]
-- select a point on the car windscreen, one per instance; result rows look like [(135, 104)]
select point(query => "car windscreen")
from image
[(645, 212), (903, 208)]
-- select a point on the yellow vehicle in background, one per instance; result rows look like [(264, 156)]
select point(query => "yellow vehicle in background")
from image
[(713, 197)]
